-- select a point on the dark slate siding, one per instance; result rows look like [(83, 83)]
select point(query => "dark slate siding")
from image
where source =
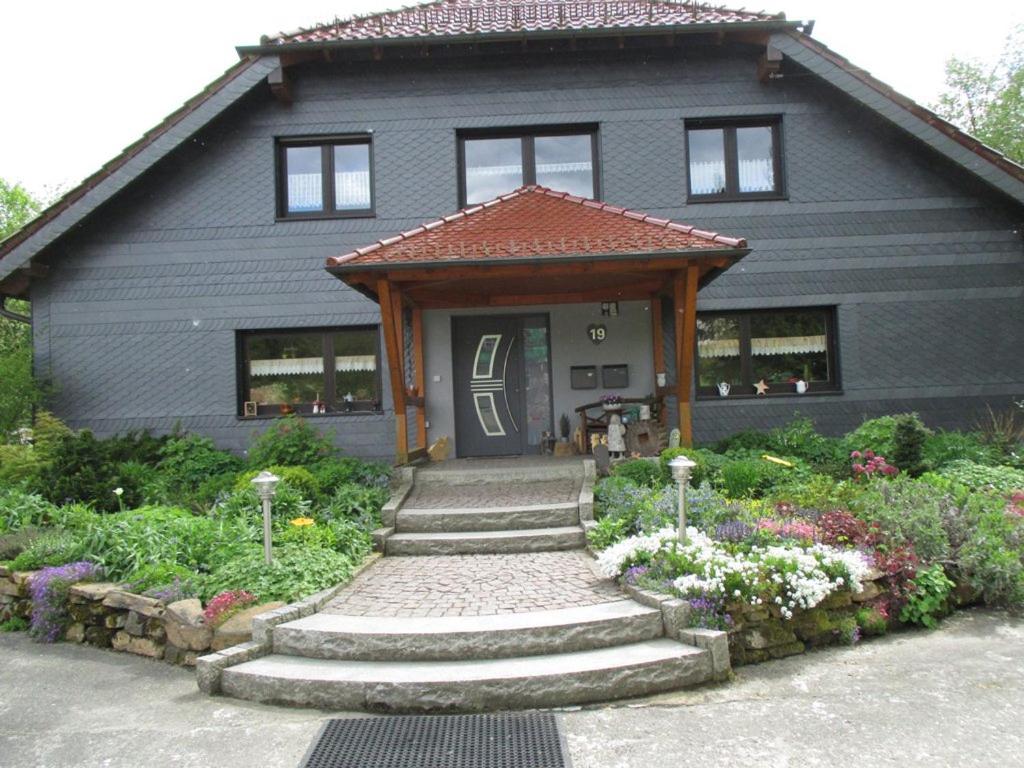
[(137, 321)]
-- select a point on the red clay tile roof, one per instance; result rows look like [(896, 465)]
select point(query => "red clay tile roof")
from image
[(454, 18), (535, 222)]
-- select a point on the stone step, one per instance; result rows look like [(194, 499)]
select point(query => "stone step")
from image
[(549, 680), (399, 638), (488, 519), (486, 542), (499, 470)]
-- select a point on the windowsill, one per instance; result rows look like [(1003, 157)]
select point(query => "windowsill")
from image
[(344, 414), (695, 199), (326, 216), (769, 396)]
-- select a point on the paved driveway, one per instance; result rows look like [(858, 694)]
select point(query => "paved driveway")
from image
[(952, 697)]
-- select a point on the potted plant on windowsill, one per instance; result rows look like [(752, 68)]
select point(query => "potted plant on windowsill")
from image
[(611, 403)]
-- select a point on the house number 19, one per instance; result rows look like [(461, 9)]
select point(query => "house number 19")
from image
[(597, 333)]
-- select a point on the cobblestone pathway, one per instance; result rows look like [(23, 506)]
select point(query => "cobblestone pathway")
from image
[(491, 494), (475, 585)]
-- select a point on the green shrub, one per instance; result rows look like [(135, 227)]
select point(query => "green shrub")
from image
[(941, 448), (908, 438), (331, 473), (752, 477), (19, 391), (19, 509), (290, 442), (357, 503), (818, 492), (51, 548), (295, 572), (709, 464), (607, 531), (299, 479), (244, 507), (640, 471), (20, 465), (189, 461), (800, 439), (978, 476), (213, 489), (14, 543), (879, 435), (14, 624), (156, 575), (991, 557), (928, 601), (908, 513), (48, 432), (314, 535), (139, 447), (748, 440)]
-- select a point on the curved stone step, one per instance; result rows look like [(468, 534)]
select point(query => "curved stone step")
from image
[(488, 519), (399, 638), (486, 542), (535, 681)]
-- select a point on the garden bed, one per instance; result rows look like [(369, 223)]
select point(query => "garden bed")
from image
[(800, 540)]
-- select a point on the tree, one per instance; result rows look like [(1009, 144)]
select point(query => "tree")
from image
[(17, 207), (988, 101)]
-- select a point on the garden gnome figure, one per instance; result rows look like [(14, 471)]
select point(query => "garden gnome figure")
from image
[(616, 434), (673, 438)]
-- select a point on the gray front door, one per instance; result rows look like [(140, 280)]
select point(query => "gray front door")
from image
[(489, 386)]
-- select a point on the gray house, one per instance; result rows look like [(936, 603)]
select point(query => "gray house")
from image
[(468, 218)]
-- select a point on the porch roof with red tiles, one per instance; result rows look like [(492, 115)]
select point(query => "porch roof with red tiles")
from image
[(535, 223), (462, 18)]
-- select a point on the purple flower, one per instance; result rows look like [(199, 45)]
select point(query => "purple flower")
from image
[(632, 574), (49, 591)]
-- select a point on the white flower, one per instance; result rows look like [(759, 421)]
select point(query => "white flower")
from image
[(736, 593), (119, 491)]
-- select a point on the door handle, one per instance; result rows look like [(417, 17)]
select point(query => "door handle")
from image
[(504, 383)]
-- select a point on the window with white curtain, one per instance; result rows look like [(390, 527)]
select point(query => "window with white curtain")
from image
[(325, 177), (734, 160)]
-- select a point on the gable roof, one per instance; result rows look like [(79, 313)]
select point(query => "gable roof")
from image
[(461, 18), (534, 223)]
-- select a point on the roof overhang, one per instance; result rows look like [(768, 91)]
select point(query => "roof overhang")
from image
[(537, 280)]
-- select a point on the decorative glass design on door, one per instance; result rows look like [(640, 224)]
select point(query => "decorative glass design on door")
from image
[(484, 386)]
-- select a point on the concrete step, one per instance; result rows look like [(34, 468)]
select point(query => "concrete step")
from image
[(486, 542), (549, 680), (394, 638), (462, 472), (488, 519)]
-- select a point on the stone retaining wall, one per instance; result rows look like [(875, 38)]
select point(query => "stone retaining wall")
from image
[(759, 633), (106, 616)]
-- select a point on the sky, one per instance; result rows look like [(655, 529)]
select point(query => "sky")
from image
[(86, 79)]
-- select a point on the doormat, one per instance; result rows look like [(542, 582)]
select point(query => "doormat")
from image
[(504, 740)]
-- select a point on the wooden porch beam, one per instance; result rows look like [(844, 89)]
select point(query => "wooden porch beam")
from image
[(684, 295), (452, 300), (421, 377), (658, 345), (393, 344)]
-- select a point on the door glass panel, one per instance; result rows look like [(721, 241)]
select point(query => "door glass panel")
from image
[(286, 369), (538, 379), (352, 177), (707, 161), (494, 167), (305, 179), (566, 164), (787, 346), (718, 351), (483, 367), (756, 159), (488, 414)]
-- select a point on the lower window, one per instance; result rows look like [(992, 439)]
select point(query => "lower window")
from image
[(329, 370), (790, 350)]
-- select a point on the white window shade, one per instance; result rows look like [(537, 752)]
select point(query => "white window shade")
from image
[(305, 365), (780, 345)]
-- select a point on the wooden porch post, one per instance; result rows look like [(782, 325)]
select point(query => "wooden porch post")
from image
[(658, 340), (394, 344), (421, 378), (684, 296)]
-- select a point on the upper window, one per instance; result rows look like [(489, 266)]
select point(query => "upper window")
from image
[(495, 164), (319, 177), (334, 370), (736, 350), (734, 160)]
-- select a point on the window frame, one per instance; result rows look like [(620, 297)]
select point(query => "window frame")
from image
[(527, 136), (326, 333), (326, 145), (831, 387), (729, 126)]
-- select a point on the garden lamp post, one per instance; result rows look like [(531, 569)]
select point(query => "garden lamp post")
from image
[(266, 484), (681, 468)]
